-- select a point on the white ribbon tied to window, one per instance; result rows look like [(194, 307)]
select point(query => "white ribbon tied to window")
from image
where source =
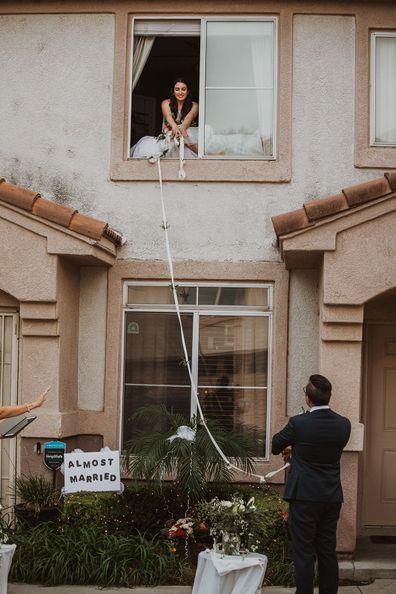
[(183, 432)]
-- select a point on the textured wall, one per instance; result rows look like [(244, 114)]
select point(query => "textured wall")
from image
[(303, 335), (56, 130), (92, 337)]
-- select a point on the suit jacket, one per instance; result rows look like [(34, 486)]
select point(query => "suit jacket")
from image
[(317, 441)]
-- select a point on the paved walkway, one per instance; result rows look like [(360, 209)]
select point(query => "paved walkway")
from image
[(377, 587)]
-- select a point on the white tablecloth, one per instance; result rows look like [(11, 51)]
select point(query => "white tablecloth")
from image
[(6, 555), (229, 575)]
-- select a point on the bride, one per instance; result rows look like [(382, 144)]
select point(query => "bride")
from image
[(179, 120)]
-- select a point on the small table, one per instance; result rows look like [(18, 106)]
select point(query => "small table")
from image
[(226, 574), (6, 554)]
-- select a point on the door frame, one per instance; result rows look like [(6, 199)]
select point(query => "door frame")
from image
[(8, 499), (362, 529)]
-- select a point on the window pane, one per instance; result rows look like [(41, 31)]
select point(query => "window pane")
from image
[(233, 296), (233, 351), (7, 359), (239, 122), (161, 295), (238, 409), (239, 54), (135, 397), (153, 348), (385, 90)]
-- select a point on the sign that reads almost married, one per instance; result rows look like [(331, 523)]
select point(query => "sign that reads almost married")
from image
[(92, 471)]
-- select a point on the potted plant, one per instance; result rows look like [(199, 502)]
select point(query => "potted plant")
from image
[(38, 500)]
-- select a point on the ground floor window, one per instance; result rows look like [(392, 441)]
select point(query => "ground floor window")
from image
[(228, 335)]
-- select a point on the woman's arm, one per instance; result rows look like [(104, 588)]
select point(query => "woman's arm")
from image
[(13, 411), (166, 112), (190, 117)]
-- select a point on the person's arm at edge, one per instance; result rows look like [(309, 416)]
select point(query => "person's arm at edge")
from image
[(166, 112), (283, 439), (190, 117), (12, 411)]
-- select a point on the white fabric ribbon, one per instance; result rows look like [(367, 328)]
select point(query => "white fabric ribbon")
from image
[(183, 432)]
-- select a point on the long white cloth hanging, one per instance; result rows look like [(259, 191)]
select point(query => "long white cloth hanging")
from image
[(165, 226)]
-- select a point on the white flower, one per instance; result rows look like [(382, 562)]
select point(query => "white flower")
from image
[(226, 503)]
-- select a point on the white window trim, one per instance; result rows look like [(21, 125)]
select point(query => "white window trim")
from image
[(264, 312), (202, 70), (374, 36)]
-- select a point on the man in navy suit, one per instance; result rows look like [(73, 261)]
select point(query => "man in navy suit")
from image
[(314, 442)]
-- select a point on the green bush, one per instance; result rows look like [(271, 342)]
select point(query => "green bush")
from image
[(36, 493), (99, 538), (52, 555)]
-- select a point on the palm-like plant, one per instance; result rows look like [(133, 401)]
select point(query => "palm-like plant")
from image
[(151, 456)]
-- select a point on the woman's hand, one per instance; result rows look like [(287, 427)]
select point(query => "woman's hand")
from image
[(175, 130), (40, 399), (183, 131)]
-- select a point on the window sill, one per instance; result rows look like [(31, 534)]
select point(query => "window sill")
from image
[(376, 156), (203, 170)]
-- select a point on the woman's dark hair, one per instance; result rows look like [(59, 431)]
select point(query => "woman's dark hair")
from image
[(187, 105), (318, 390)]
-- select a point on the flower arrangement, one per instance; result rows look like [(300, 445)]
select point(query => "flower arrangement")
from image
[(183, 528), (230, 520)]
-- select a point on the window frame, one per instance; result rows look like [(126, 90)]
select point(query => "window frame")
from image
[(124, 169), (196, 311), (204, 20), (373, 73)]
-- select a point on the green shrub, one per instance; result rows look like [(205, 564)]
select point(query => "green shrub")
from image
[(96, 530), (53, 555), (36, 493)]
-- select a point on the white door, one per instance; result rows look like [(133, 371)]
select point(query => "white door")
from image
[(8, 396)]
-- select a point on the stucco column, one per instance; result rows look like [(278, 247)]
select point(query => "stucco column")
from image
[(340, 353), (39, 364)]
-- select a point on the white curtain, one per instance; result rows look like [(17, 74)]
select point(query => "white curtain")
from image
[(385, 90), (261, 48), (141, 51)]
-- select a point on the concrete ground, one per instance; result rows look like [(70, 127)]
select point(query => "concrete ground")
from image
[(377, 587)]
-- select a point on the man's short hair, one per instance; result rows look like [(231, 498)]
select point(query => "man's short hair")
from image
[(318, 390)]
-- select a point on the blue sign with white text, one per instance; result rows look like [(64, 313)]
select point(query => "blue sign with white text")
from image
[(54, 454)]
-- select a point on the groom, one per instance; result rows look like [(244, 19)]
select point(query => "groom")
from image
[(314, 442)]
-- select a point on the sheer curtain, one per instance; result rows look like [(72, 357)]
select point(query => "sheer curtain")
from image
[(261, 48), (141, 51), (385, 90)]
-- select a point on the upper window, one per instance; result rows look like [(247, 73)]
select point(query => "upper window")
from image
[(230, 66), (383, 88), (227, 331)]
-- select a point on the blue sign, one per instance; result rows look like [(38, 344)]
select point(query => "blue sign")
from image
[(54, 454)]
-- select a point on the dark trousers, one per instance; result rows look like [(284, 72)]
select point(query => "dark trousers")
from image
[(312, 528)]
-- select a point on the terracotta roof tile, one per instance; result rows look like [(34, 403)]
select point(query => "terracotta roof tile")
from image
[(88, 226), (290, 221), (317, 210), (391, 177), (17, 196), (57, 213), (325, 207), (367, 191)]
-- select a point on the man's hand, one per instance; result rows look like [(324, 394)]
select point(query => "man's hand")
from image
[(286, 454)]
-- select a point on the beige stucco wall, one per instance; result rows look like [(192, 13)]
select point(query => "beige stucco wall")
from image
[(303, 342), (92, 337), (56, 137)]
